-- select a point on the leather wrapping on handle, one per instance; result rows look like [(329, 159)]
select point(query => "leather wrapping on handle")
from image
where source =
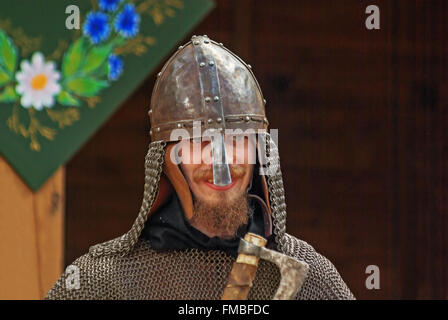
[(243, 272)]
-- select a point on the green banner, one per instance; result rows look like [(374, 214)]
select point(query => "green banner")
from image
[(66, 66)]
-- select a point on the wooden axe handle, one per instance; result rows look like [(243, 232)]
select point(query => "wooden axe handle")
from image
[(243, 271)]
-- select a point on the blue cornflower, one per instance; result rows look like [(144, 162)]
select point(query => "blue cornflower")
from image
[(96, 27), (127, 21), (109, 5), (115, 67)]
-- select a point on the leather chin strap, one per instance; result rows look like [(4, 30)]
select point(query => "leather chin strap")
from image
[(173, 178)]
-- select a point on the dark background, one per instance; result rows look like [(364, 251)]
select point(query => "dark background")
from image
[(362, 136)]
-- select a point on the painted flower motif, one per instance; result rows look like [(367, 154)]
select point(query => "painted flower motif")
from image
[(115, 67), (109, 5), (37, 82), (96, 27), (127, 22)]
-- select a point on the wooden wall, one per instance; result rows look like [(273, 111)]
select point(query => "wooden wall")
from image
[(31, 235), (362, 121)]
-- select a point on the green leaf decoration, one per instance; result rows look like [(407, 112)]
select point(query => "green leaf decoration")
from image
[(95, 58), (85, 87), (4, 76), (8, 95), (118, 41), (8, 54), (67, 99), (103, 70), (73, 58)]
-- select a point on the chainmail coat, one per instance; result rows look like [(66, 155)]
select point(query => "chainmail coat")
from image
[(191, 275), (128, 268)]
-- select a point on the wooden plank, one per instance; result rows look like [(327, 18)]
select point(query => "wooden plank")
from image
[(49, 211), (31, 235)]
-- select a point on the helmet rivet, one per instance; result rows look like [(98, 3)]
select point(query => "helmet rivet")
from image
[(158, 129), (264, 101), (150, 132), (159, 74), (210, 121), (218, 120), (211, 63), (196, 42), (221, 44), (179, 125), (205, 36), (194, 36), (207, 99), (202, 64), (181, 47), (150, 112), (206, 41), (265, 120), (247, 118), (249, 66), (216, 98)]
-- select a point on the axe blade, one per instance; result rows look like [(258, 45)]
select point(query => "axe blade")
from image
[(293, 272)]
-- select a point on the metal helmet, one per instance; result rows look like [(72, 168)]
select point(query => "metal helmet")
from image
[(203, 81)]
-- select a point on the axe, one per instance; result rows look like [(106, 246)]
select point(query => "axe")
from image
[(252, 248)]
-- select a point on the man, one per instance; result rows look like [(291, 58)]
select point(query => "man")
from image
[(212, 177)]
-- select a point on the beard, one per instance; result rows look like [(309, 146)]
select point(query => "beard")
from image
[(223, 219)]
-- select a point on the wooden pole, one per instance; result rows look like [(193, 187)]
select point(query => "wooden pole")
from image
[(31, 234)]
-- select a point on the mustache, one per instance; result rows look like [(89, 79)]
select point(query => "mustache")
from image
[(199, 174)]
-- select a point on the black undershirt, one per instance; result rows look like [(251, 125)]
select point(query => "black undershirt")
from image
[(167, 229)]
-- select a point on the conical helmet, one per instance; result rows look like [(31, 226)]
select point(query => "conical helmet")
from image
[(203, 81)]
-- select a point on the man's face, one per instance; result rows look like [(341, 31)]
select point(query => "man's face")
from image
[(221, 209), (200, 175)]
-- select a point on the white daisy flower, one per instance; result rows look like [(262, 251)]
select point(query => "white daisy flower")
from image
[(37, 82)]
